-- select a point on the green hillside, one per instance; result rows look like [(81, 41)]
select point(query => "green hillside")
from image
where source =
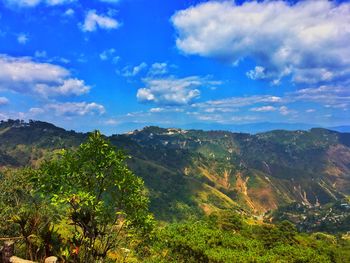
[(216, 196), (189, 173)]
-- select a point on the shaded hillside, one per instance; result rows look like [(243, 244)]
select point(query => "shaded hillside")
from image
[(190, 172), (27, 143)]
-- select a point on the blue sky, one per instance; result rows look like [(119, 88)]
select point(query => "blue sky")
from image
[(115, 65)]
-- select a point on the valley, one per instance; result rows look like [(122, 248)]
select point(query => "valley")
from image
[(189, 173)]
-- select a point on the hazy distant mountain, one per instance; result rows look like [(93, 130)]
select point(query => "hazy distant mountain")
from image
[(189, 172), (250, 127), (246, 128), (345, 128)]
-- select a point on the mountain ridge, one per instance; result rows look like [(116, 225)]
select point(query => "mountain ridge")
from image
[(190, 172), (253, 128)]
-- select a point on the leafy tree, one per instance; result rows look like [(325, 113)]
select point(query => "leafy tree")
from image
[(227, 220), (26, 216), (103, 199)]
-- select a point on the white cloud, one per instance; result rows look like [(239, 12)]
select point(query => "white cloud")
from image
[(3, 101), (33, 3), (75, 108), (22, 3), (257, 73), (58, 2), (308, 41), (165, 109), (94, 21), (65, 109), (310, 110), (156, 110), (219, 109), (224, 119), (69, 12), (158, 69), (171, 90), (127, 72), (36, 111), (109, 54), (330, 97), (3, 116), (69, 87), (284, 110), (111, 122), (324, 95), (237, 102), (22, 74), (263, 109), (22, 38), (110, 1), (40, 54)]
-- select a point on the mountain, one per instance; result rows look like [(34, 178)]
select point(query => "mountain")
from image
[(344, 128), (191, 172), (252, 128), (247, 128)]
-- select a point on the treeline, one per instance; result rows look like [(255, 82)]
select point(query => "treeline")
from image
[(86, 205), (225, 237)]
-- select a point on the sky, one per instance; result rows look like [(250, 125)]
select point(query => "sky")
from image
[(115, 65)]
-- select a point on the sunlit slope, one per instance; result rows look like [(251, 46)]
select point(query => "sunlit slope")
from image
[(191, 172)]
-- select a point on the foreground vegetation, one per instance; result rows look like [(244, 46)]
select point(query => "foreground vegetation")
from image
[(226, 238), (80, 206), (85, 205)]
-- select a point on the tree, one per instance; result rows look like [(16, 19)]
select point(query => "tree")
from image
[(24, 215), (102, 198)]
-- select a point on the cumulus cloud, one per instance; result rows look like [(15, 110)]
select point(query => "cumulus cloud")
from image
[(3, 101), (307, 41), (22, 74), (257, 73), (94, 21), (67, 110), (68, 87), (171, 90)]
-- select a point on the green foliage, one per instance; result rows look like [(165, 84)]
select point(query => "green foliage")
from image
[(25, 215), (275, 162), (85, 205), (80, 206), (227, 220), (102, 197), (271, 235), (206, 241)]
